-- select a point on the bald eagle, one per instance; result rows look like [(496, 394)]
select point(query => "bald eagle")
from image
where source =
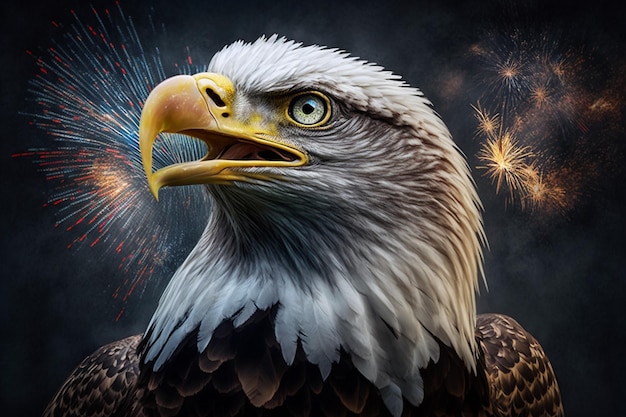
[(338, 271)]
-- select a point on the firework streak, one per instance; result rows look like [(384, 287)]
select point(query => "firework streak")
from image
[(88, 95)]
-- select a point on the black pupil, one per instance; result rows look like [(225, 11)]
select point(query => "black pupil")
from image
[(308, 108)]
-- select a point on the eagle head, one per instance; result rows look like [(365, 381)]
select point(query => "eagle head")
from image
[(338, 197)]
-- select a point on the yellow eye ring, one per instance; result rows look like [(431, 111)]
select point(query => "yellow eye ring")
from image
[(309, 109)]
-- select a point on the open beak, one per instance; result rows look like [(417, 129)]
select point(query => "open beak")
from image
[(201, 106)]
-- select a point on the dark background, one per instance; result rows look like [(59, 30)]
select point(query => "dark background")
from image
[(561, 275)]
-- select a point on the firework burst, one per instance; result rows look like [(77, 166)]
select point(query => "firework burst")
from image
[(506, 162), (537, 105), (88, 95), (488, 125), (544, 192)]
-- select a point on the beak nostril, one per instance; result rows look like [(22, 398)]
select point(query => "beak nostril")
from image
[(215, 97)]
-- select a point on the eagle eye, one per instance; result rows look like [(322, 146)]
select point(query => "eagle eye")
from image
[(309, 109)]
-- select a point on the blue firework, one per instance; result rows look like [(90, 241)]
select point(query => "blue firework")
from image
[(87, 96)]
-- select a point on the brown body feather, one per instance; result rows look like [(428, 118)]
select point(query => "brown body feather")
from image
[(521, 378), (242, 373)]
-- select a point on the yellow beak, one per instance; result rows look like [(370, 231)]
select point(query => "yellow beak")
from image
[(202, 106)]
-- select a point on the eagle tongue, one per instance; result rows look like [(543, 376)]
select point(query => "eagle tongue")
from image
[(253, 152)]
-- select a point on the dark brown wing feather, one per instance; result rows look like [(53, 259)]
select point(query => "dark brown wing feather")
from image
[(521, 378), (104, 384), (243, 373)]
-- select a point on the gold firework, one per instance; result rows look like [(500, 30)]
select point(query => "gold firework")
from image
[(506, 162), (539, 95), (509, 71), (487, 124), (544, 192)]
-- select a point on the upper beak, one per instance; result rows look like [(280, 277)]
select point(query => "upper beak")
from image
[(202, 106)]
